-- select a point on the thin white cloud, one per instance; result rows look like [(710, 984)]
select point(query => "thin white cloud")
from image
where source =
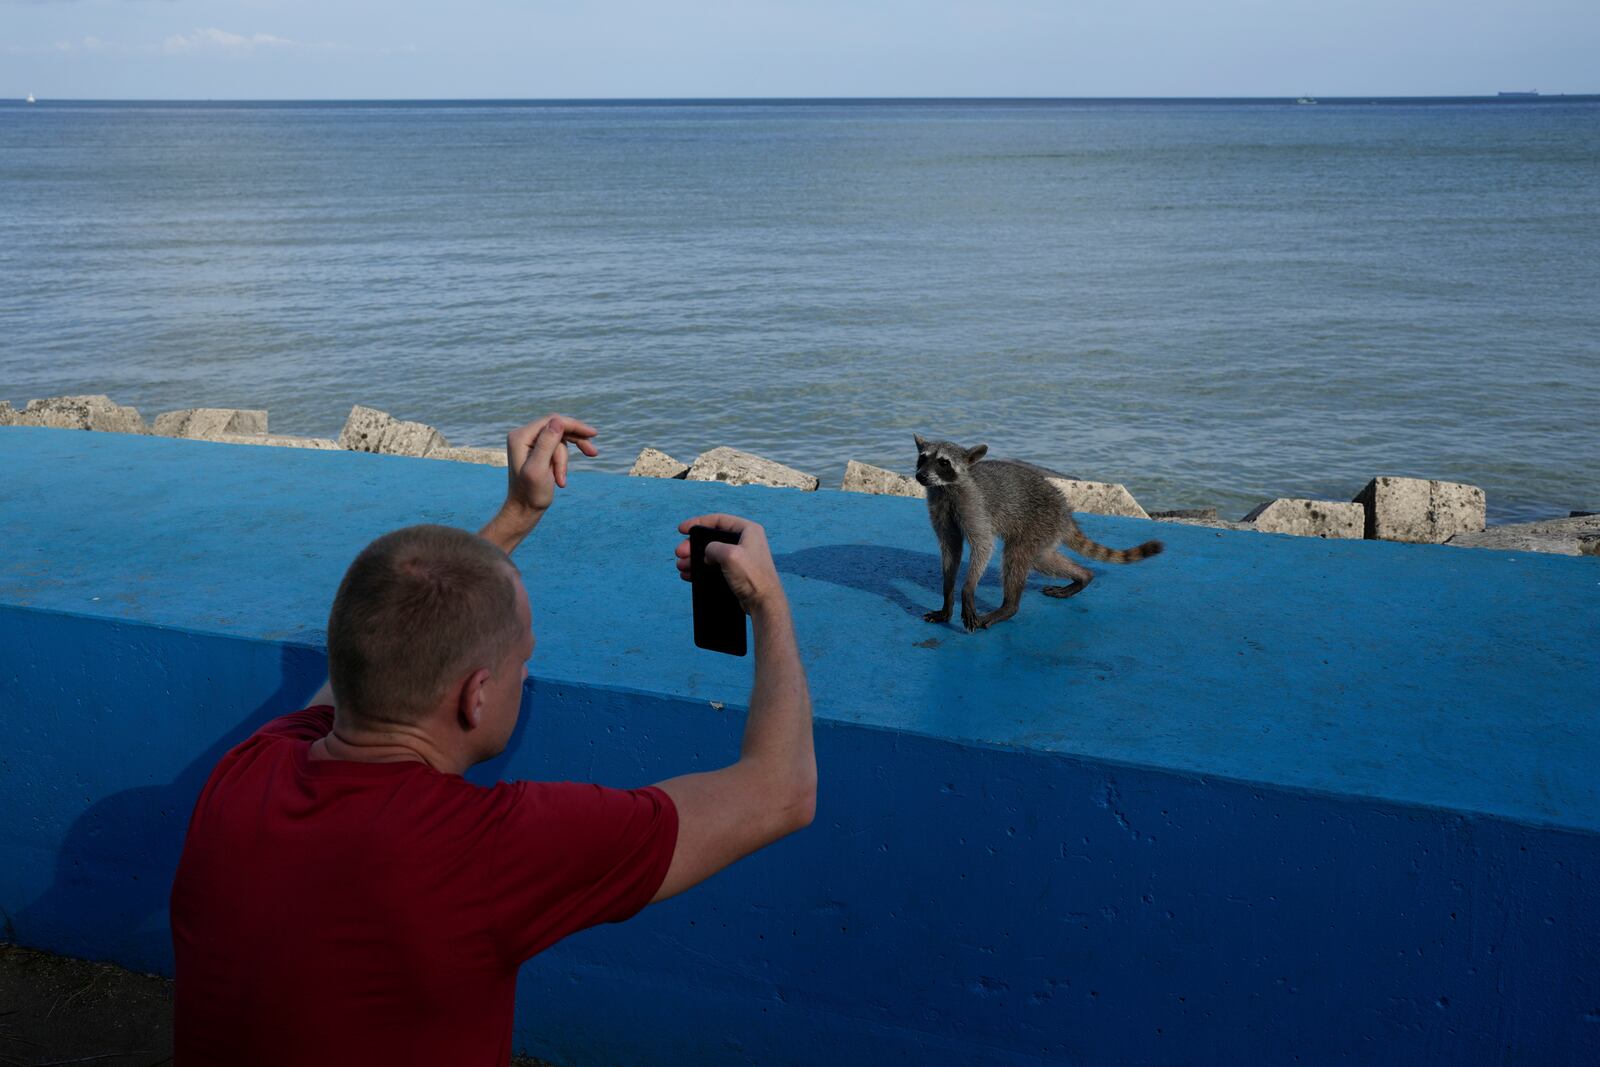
[(84, 45), (212, 39), (204, 41)]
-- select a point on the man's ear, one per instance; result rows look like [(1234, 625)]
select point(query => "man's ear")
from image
[(921, 444), (469, 701), (975, 454)]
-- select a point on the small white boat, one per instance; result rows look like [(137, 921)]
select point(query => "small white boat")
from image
[(1306, 100), (31, 100)]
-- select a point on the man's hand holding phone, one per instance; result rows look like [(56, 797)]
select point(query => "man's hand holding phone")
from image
[(728, 562)]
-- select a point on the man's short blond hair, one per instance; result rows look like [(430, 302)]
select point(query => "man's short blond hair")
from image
[(417, 609)]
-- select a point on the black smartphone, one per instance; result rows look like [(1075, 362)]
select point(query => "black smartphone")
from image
[(719, 620)]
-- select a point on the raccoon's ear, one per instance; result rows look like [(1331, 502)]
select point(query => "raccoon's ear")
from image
[(921, 444), (975, 454)]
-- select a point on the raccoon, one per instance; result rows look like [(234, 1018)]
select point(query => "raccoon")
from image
[(976, 500)]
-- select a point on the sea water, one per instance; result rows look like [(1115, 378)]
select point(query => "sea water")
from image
[(1214, 302)]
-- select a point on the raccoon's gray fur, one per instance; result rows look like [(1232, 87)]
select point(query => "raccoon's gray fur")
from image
[(977, 502)]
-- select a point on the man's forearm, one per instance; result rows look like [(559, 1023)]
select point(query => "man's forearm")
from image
[(778, 729), (509, 526)]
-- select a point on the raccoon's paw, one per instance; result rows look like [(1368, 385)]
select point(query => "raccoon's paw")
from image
[(936, 616), (969, 618)]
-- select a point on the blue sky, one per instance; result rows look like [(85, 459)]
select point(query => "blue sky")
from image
[(319, 49)]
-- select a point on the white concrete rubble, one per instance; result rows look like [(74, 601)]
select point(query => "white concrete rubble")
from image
[(742, 468), (1214, 524), (654, 463), (277, 439), (96, 412), (1419, 510), (1579, 536), (865, 478), (1309, 518), (491, 457), (1099, 498), (370, 430), (209, 422)]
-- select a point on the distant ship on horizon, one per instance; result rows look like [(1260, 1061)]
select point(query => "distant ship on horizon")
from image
[(1520, 92), (30, 99)]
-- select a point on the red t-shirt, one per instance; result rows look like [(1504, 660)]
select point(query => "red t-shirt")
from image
[(332, 912)]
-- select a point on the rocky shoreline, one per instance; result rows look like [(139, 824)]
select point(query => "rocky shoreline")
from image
[(1414, 510)]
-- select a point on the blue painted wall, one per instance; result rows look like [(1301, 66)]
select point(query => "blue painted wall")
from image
[(1259, 800)]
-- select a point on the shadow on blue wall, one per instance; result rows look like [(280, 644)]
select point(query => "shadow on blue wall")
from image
[(99, 904)]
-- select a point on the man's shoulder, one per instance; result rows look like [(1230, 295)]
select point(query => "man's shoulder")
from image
[(302, 726), (305, 725)]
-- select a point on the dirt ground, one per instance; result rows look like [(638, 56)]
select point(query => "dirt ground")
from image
[(56, 1011)]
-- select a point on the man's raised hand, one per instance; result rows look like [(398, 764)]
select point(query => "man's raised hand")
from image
[(536, 457), (536, 462)]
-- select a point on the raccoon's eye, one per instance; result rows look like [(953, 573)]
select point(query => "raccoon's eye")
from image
[(944, 465)]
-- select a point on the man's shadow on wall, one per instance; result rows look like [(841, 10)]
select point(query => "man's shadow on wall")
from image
[(890, 572), (116, 862)]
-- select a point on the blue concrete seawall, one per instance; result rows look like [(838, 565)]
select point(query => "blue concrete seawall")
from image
[(1258, 800)]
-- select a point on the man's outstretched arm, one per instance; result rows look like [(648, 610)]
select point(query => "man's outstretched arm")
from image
[(536, 464), (771, 791)]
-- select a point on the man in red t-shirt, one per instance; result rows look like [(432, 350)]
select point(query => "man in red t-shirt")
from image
[(346, 897)]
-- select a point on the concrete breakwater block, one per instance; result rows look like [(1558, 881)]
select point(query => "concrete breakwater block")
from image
[(1099, 498), (1578, 536), (96, 412), (8, 414), (1204, 514), (1309, 518), (278, 439), (370, 430), (865, 478), (742, 468), (209, 422), (1419, 510), (654, 463), (490, 457)]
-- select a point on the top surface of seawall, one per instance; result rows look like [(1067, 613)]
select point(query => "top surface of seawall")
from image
[(1454, 678)]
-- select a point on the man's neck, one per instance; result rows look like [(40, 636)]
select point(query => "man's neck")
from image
[(391, 743)]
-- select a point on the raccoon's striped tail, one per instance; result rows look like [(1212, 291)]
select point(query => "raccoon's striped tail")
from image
[(1080, 543)]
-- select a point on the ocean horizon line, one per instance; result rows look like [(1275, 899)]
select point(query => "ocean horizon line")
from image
[(802, 101)]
